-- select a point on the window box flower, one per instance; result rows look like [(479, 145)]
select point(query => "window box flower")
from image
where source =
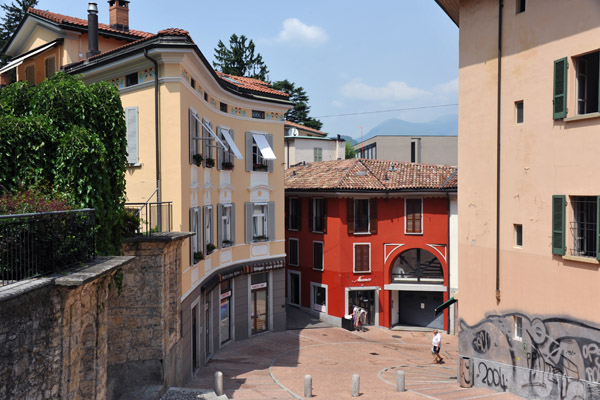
[(227, 243), (210, 162), (261, 167), (198, 256), (260, 238), (198, 159), (227, 166), (210, 248)]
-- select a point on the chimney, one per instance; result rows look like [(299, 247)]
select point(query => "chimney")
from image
[(92, 30), (118, 11)]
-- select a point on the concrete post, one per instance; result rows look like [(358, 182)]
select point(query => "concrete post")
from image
[(307, 386), (219, 383), (400, 382), (355, 385)]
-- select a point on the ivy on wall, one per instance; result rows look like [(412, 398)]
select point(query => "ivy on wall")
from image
[(68, 139)]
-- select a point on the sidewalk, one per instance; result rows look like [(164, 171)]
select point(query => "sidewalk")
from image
[(273, 366)]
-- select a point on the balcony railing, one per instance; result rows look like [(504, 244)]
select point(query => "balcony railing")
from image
[(42, 243), (154, 217)]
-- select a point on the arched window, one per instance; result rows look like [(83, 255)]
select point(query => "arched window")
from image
[(417, 266)]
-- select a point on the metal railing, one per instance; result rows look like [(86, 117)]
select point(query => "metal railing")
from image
[(154, 217), (42, 243)]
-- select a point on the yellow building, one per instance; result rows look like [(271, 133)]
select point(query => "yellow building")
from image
[(209, 143), (529, 203)]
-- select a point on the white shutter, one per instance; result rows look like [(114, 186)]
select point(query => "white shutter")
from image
[(131, 120)]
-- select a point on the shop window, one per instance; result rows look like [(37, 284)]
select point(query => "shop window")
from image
[(225, 311), (319, 297), (259, 290)]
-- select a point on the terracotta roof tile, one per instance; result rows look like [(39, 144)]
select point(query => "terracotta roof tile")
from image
[(365, 174), (64, 19), (251, 84), (306, 128)]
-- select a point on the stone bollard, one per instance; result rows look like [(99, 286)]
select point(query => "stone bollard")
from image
[(307, 386), (355, 385), (219, 383), (400, 382)]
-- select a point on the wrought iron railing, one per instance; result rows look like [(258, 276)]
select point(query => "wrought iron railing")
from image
[(42, 243), (154, 217)]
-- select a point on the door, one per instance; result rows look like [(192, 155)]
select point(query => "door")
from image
[(417, 309), (294, 289), (195, 339), (259, 315), (364, 299)]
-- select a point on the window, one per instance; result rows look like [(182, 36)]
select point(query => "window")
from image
[(294, 247), (207, 145), (193, 83), (50, 64), (519, 111), (260, 222), (319, 297), (260, 302), (417, 266), (362, 216), (131, 79), (30, 74), (226, 157), (584, 226), (318, 154), (226, 218), (258, 114), (209, 246), (369, 151), (259, 152), (587, 83), (223, 107), (413, 216), (520, 6), (205, 96), (131, 120), (318, 215), (196, 253), (362, 257), (295, 214), (415, 150), (518, 235), (195, 155), (225, 311), (518, 328), (560, 89), (318, 255)]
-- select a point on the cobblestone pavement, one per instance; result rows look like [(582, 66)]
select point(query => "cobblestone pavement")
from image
[(273, 366)]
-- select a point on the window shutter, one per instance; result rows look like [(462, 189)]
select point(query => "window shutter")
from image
[(206, 239), (231, 156), (287, 212), (232, 223), (131, 117), (271, 220), (249, 158), (249, 207), (373, 215), (324, 215), (220, 152), (192, 238), (220, 225), (350, 215), (270, 163), (558, 225), (206, 143), (192, 137), (560, 88), (311, 216), (198, 227), (299, 215)]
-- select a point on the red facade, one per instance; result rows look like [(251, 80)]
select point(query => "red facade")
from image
[(402, 295)]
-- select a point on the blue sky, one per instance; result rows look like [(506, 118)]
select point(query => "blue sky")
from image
[(350, 56)]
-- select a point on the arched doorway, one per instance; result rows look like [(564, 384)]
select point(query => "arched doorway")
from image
[(417, 284)]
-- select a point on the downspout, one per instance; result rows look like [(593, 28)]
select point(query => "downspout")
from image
[(156, 126), (500, 6), (448, 258)]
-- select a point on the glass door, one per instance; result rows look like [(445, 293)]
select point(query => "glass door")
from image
[(259, 315)]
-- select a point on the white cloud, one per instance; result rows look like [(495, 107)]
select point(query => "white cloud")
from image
[(448, 87), (337, 104), (391, 91), (295, 31)]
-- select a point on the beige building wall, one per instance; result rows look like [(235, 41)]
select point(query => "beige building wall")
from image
[(300, 149), (441, 150)]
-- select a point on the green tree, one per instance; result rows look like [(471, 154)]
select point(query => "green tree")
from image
[(239, 59), (298, 96), (13, 15), (350, 152)]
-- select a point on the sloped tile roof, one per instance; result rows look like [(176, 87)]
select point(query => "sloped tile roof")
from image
[(371, 175), (306, 128), (65, 19), (255, 85)]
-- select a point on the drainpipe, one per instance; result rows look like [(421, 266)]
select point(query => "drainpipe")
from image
[(448, 258), (156, 129), (500, 6)]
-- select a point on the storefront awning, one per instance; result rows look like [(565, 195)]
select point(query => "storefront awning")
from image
[(263, 146), (445, 305), (231, 144)]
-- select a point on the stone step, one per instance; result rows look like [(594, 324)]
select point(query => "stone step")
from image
[(176, 393)]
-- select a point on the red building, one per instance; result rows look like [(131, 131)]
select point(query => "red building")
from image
[(374, 234)]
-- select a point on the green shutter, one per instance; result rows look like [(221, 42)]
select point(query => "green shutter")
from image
[(560, 89), (558, 225)]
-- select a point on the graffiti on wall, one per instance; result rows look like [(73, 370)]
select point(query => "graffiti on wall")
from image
[(554, 358)]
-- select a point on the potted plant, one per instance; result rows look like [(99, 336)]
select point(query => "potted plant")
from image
[(198, 256), (228, 166), (261, 167), (260, 238), (210, 162), (210, 248), (198, 159), (227, 243)]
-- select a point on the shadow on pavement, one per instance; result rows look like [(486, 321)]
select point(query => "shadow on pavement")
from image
[(298, 319)]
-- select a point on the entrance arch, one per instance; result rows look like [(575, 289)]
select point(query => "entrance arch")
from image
[(417, 266)]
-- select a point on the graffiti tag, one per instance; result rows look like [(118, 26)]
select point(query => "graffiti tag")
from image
[(492, 376), (482, 341)]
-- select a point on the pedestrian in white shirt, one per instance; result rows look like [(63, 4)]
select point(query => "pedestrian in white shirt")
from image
[(436, 344)]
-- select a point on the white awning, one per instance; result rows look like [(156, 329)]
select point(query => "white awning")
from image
[(210, 131), (18, 61), (231, 144), (263, 146)]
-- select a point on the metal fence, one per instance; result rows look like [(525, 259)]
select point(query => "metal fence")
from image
[(154, 217), (43, 243)]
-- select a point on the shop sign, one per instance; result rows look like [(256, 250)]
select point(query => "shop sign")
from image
[(362, 279), (258, 286), (226, 294)]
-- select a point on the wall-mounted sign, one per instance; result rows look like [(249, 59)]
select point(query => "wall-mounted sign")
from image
[(362, 279), (258, 286), (226, 294)]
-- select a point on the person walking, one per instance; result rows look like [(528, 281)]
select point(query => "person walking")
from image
[(436, 345)]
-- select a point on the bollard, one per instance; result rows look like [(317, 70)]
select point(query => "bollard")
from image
[(355, 385), (400, 382), (219, 383), (307, 386)]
